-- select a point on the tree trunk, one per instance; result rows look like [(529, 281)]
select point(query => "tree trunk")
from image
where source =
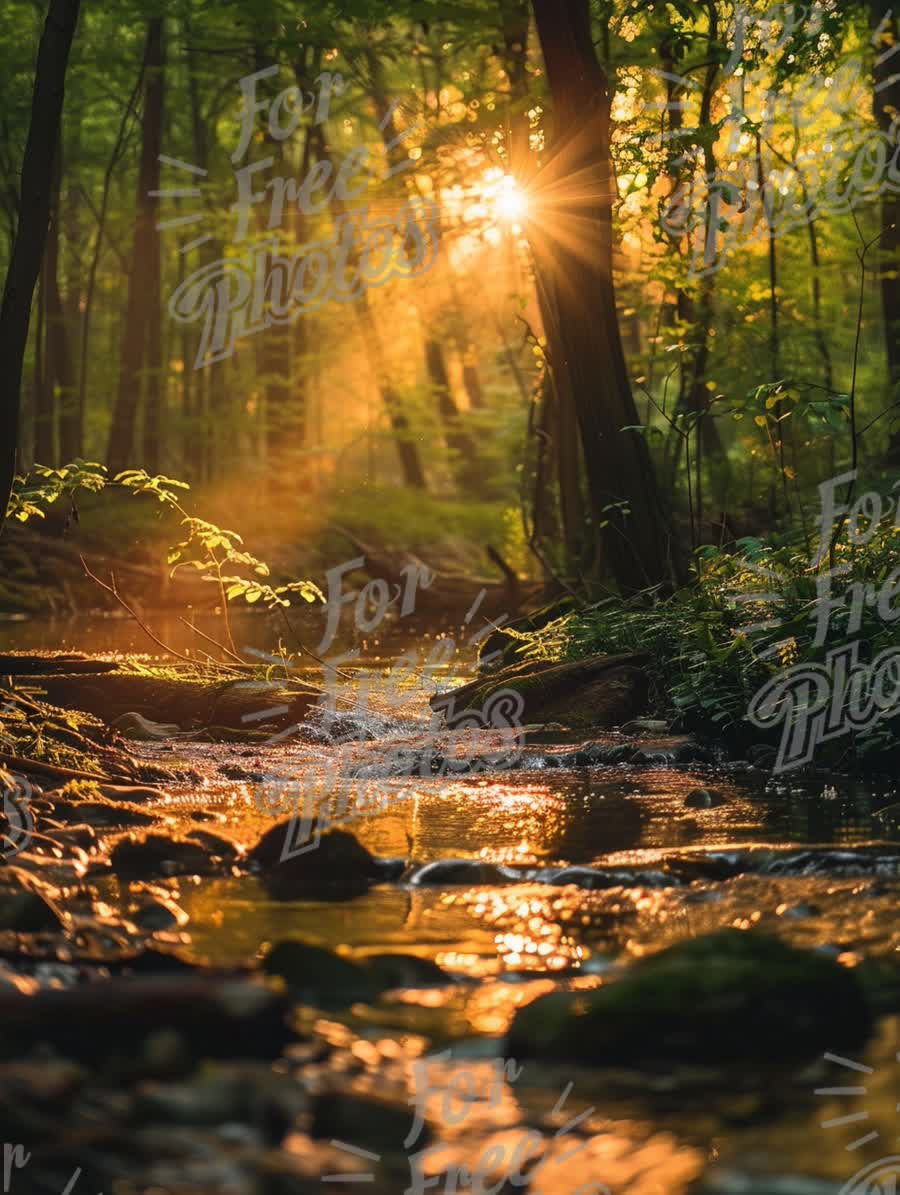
[(155, 402), (887, 105), (59, 378), (145, 251), (72, 415), (84, 358), (575, 189), (34, 214), (284, 414), (698, 313), (464, 459), (44, 409), (558, 424), (460, 443), (407, 451)]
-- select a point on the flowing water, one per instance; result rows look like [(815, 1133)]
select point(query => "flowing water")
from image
[(761, 859)]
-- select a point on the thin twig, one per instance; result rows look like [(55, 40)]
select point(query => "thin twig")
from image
[(113, 590), (215, 643)]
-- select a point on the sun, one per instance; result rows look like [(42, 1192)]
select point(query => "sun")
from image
[(510, 201)]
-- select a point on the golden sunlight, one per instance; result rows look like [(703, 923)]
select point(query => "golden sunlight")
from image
[(497, 199), (510, 201)]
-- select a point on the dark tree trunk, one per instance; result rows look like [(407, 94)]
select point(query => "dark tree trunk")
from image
[(72, 415), (284, 414), (699, 312), (44, 409), (198, 430), (84, 359), (31, 233), (407, 450), (575, 189), (887, 105), (558, 423), (155, 401), (59, 377), (145, 251)]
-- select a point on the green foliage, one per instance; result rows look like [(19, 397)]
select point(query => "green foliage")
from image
[(44, 486), (747, 615), (207, 548)]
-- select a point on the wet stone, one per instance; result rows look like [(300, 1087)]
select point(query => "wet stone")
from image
[(366, 1121), (595, 878), (27, 912), (316, 975), (335, 867), (159, 915), (405, 971), (704, 798), (138, 857), (445, 873)]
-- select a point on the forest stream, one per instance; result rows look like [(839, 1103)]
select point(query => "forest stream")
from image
[(599, 865)]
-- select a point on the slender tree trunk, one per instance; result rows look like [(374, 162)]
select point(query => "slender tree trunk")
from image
[(44, 437), (72, 416), (461, 445), (699, 310), (283, 413), (145, 251), (155, 393), (576, 188), (465, 465), (84, 357), (59, 376), (31, 233), (198, 431), (887, 107), (407, 450), (515, 17), (44, 404)]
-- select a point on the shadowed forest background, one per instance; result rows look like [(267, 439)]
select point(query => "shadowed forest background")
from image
[(482, 403)]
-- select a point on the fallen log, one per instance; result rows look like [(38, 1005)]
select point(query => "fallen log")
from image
[(47, 663), (188, 703)]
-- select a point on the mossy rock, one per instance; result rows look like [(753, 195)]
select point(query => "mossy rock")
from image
[(315, 975), (724, 996)]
